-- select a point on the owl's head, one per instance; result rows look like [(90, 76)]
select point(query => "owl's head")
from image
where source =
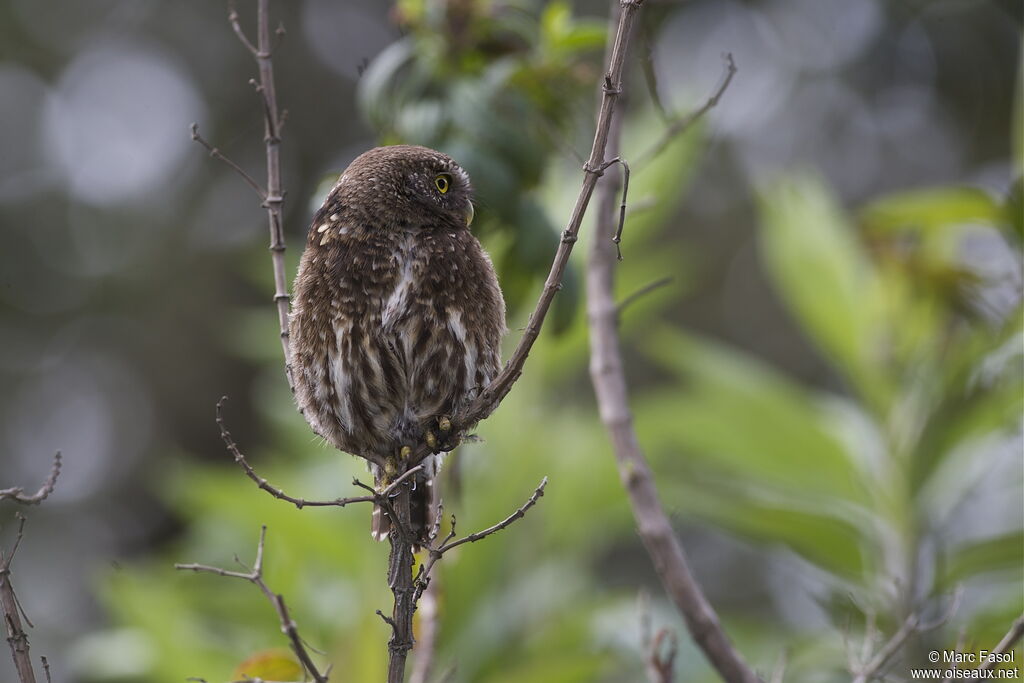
[(406, 186)]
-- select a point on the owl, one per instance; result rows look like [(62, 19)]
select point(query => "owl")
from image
[(397, 317)]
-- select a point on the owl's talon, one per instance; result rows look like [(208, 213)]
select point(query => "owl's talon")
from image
[(444, 424), (391, 467), (431, 440), (405, 453)]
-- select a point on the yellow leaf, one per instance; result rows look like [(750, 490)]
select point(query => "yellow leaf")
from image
[(269, 665)]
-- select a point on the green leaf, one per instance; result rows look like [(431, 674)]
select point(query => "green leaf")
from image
[(999, 553), (375, 93), (739, 414), (823, 274), (588, 35), (555, 20), (825, 540), (932, 208)]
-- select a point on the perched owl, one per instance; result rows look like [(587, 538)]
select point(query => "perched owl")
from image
[(397, 317)]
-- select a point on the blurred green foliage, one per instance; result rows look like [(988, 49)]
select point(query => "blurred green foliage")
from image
[(499, 87), (861, 486)]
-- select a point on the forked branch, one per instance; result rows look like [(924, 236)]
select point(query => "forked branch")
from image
[(288, 625), (380, 497), (435, 554)]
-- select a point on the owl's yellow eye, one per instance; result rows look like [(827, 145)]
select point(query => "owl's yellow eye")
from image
[(442, 182)]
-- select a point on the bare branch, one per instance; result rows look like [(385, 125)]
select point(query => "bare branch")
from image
[(448, 544), (12, 613), (911, 625), (617, 238), (288, 625), (1005, 645), (218, 155), (374, 497), (237, 28), (17, 494), (650, 75), (682, 123), (661, 659), (653, 526), (640, 293), (518, 514)]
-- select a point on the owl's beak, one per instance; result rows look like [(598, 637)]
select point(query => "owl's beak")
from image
[(469, 213)]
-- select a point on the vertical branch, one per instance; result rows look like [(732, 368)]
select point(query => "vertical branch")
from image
[(273, 197), (608, 378), (401, 582), (275, 193), (11, 610), (428, 607)]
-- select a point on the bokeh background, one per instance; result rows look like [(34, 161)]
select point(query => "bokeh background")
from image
[(829, 389)]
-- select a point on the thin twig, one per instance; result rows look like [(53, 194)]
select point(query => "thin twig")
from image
[(911, 625), (653, 526), (46, 668), (661, 658), (237, 28), (17, 494), (518, 514), (682, 123), (12, 613), (288, 626), (640, 293), (1005, 645), (219, 156), (374, 497), (617, 238), (650, 75), (436, 553)]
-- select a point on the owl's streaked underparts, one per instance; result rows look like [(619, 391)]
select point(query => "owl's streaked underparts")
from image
[(398, 316)]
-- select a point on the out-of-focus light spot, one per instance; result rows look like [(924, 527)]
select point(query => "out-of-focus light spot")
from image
[(824, 124), (116, 124), (914, 59), (344, 35), (91, 407), (21, 171), (114, 654), (689, 64), (920, 141), (822, 35)]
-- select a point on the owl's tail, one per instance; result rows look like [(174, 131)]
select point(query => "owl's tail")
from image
[(421, 509)]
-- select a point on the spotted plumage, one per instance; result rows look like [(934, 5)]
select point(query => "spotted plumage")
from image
[(398, 316)]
